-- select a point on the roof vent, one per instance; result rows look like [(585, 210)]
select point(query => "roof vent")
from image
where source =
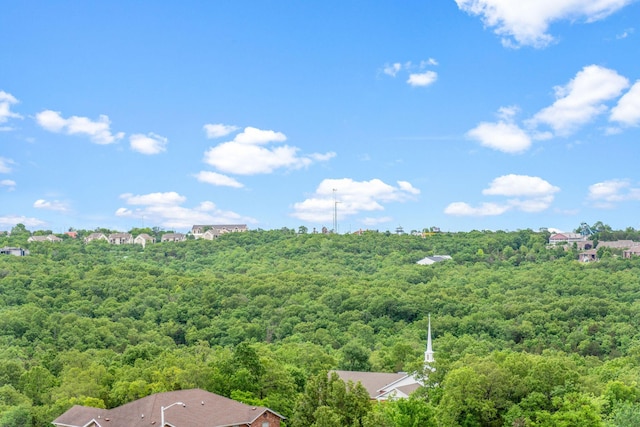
[(202, 403)]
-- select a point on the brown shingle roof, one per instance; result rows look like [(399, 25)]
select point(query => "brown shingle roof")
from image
[(201, 409)]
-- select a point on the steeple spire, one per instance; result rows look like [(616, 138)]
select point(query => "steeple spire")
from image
[(428, 355)]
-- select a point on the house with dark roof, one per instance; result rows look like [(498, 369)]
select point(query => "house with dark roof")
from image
[(180, 408)]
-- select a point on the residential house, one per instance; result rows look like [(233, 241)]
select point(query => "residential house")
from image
[(143, 239), (96, 236), (633, 251), (13, 251), (120, 239), (180, 408), (588, 256), (566, 238), (390, 386), (49, 238), (211, 232), (433, 259), (72, 234), (173, 237)]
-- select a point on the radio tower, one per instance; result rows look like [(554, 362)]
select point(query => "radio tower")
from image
[(335, 212)]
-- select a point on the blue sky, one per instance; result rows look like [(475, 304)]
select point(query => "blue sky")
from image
[(459, 114)]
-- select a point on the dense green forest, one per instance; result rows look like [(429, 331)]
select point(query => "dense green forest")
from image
[(524, 334)]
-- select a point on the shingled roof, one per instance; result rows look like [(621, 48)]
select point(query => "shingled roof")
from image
[(195, 408)]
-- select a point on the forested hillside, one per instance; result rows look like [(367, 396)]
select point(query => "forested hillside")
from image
[(524, 335)]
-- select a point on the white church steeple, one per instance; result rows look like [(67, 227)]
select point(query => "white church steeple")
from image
[(428, 354)]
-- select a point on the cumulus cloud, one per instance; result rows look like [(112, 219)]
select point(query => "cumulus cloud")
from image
[(247, 154), (353, 197), (525, 193), (165, 209), (9, 183), (98, 131), (525, 22), (148, 144), (581, 99), (52, 205), (6, 100), (11, 220), (422, 79), (627, 112), (607, 194), (485, 209), (218, 130), (418, 73), (520, 185), (501, 136), (6, 165), (217, 179)]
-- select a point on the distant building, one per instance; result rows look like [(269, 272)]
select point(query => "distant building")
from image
[(433, 259), (564, 238), (13, 251), (143, 239), (211, 232), (49, 238), (120, 239), (181, 408), (173, 237), (95, 236)]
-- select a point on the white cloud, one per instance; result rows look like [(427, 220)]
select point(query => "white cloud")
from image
[(6, 165), (520, 185), (170, 198), (502, 136), (422, 79), (246, 155), (607, 193), (54, 205), (218, 130), (148, 144), (368, 221), (525, 22), (392, 69), (485, 209), (98, 131), (6, 100), (251, 135), (9, 183), (581, 99), (217, 179), (352, 197), (164, 209), (527, 194), (15, 219), (627, 111)]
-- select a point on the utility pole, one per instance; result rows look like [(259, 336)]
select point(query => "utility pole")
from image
[(335, 212)]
